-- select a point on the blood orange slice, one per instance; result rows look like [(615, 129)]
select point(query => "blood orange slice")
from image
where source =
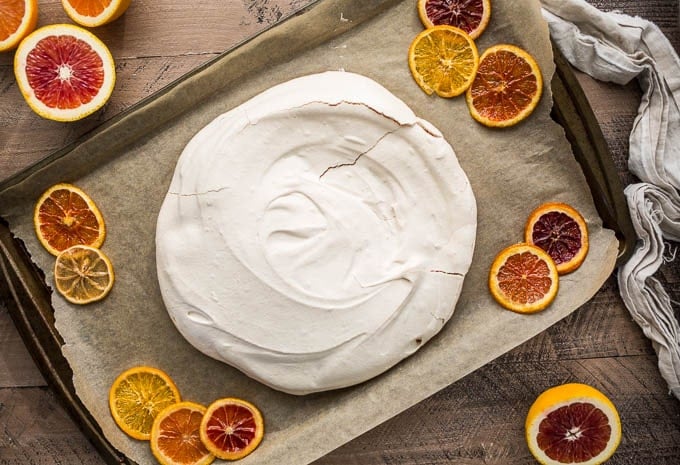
[(65, 216), (175, 438), (572, 424), (506, 88), (93, 13), (444, 60), (232, 428), (560, 230), (472, 16), (64, 72), (523, 278), (17, 19)]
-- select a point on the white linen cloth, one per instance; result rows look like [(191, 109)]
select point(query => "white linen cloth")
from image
[(615, 47)]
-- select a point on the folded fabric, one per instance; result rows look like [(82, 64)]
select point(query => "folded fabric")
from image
[(618, 48)]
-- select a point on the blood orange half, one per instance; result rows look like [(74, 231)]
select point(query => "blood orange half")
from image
[(572, 424), (17, 19), (560, 230), (472, 16), (232, 428), (64, 72)]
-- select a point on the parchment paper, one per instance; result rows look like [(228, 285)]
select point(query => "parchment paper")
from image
[(511, 172)]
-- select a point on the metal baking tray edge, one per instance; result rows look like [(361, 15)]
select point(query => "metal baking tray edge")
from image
[(27, 295)]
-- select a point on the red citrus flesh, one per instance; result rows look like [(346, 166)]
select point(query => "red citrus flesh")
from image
[(537, 282), (231, 428), (558, 234), (574, 433), (66, 219), (464, 14), (64, 72)]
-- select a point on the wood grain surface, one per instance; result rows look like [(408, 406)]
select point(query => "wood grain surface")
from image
[(477, 420)]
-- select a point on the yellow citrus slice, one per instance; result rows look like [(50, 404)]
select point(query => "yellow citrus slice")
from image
[(443, 60), (560, 230), (232, 428), (64, 72), (572, 424), (472, 16), (137, 396), (175, 438), (65, 216), (506, 88), (93, 13), (523, 278), (83, 274), (18, 18)]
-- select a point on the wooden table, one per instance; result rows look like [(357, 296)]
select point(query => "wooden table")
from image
[(477, 420)]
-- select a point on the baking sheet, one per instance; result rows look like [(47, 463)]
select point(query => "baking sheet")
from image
[(511, 171)]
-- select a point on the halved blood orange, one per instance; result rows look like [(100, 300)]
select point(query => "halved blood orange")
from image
[(443, 60), (64, 72), (93, 13), (560, 230), (232, 428), (175, 438), (523, 278), (472, 16), (18, 18), (572, 424), (506, 88), (65, 216), (137, 396)]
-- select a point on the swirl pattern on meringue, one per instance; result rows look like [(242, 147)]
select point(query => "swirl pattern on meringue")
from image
[(315, 235)]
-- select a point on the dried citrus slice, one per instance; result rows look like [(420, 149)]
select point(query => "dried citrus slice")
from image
[(175, 438), (472, 16), (560, 230), (523, 278), (17, 19), (232, 428), (444, 60), (137, 396), (83, 274), (65, 216), (93, 13), (64, 72), (572, 424), (506, 88)]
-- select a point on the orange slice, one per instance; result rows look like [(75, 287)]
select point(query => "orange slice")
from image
[(472, 16), (65, 216), (93, 13), (506, 88), (572, 424), (18, 18), (232, 428), (560, 230), (137, 396), (523, 278), (83, 274), (64, 72), (443, 60), (175, 438)]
